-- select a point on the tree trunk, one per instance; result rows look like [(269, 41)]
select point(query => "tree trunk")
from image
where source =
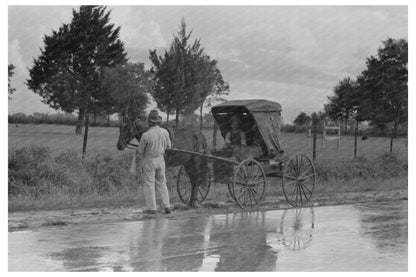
[(393, 135), (177, 118), (200, 118), (84, 145), (108, 120), (167, 118), (78, 128), (355, 140), (95, 119), (346, 126)]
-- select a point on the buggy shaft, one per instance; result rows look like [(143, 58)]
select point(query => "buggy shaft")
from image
[(204, 155)]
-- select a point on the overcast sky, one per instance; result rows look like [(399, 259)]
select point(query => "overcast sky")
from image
[(294, 55)]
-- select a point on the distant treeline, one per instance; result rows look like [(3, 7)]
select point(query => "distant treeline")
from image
[(370, 131), (104, 121), (60, 118)]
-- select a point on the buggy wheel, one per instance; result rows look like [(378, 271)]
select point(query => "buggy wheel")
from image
[(298, 180), (184, 187), (249, 184)]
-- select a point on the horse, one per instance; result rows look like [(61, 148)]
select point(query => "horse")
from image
[(186, 138)]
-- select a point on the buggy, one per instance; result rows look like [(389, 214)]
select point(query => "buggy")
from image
[(244, 169)]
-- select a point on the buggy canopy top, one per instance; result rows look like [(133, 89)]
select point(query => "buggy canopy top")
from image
[(257, 116)]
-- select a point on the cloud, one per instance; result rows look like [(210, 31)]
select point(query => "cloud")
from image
[(15, 58), (137, 31), (143, 36), (293, 98)]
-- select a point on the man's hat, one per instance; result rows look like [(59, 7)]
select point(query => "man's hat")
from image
[(154, 116)]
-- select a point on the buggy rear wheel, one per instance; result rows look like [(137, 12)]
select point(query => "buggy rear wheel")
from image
[(184, 187), (249, 184), (298, 180)]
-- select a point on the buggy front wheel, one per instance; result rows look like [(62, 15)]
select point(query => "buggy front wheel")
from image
[(298, 180)]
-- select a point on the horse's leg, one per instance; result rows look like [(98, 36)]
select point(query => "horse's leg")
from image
[(192, 170), (199, 167)]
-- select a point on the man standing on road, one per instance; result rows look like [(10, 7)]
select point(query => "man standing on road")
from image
[(151, 150)]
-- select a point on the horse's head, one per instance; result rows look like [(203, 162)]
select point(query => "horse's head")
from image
[(130, 128)]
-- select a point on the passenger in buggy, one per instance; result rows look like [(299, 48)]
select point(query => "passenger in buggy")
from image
[(236, 135)]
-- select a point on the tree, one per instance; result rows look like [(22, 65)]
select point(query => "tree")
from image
[(127, 86), (317, 118), (343, 104), (10, 75), (211, 86), (302, 119), (68, 73), (184, 76), (383, 86)]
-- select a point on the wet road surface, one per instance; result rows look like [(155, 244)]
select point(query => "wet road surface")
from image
[(364, 237)]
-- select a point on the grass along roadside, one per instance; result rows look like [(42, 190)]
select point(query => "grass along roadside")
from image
[(40, 181)]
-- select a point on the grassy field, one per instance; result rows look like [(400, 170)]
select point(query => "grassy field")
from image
[(62, 137)]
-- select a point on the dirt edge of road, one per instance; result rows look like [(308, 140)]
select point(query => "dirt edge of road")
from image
[(47, 219)]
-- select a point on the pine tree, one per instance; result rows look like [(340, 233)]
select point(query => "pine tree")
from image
[(69, 70), (185, 76)]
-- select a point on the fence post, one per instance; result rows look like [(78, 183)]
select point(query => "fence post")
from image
[(323, 136), (214, 137), (391, 143), (355, 140), (314, 143), (339, 134)]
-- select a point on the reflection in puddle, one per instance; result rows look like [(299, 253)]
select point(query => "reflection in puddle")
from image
[(337, 238), (296, 228)]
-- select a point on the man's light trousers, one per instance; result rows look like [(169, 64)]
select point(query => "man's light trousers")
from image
[(153, 176)]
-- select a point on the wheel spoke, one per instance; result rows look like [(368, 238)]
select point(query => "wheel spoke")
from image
[(296, 166), (306, 171), (257, 176), (293, 192), (291, 177), (242, 195), (306, 177), (292, 168), (249, 197), (254, 198), (250, 171), (258, 182), (303, 191), (241, 182), (243, 174), (300, 194), (255, 191), (290, 183), (306, 187), (239, 194)]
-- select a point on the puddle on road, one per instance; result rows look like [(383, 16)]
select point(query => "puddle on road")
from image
[(369, 237)]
